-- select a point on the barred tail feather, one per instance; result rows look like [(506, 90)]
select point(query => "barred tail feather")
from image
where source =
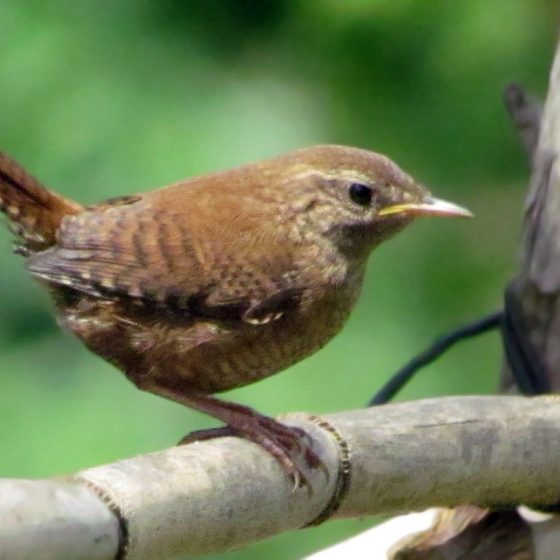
[(34, 213)]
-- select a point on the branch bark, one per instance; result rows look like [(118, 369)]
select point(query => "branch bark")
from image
[(221, 494)]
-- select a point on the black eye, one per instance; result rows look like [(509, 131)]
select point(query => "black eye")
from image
[(360, 194)]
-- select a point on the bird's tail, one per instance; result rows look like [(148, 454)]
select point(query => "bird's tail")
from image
[(34, 213)]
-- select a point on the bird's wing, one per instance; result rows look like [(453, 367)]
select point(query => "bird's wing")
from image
[(126, 248)]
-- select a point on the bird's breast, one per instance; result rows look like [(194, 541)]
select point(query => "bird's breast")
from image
[(236, 357)]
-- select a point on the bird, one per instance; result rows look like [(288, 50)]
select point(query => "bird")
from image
[(221, 280)]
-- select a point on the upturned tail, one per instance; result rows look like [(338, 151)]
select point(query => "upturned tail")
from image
[(34, 213)]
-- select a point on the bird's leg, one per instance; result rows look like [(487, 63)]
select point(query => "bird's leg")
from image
[(283, 442)]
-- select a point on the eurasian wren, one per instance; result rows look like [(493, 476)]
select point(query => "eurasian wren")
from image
[(221, 280)]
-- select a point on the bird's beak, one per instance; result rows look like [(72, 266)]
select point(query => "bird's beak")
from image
[(428, 207)]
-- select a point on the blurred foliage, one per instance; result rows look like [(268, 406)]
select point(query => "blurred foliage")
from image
[(105, 98)]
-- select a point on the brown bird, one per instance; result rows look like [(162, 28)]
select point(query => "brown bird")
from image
[(221, 280)]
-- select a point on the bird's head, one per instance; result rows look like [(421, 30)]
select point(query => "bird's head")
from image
[(358, 198)]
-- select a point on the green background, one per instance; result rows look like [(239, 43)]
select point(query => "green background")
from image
[(106, 98)]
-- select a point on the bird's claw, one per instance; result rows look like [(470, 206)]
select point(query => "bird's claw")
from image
[(284, 443)]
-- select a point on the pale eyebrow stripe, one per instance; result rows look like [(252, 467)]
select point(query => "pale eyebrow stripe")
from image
[(349, 174)]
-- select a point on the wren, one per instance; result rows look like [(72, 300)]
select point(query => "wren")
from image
[(221, 280)]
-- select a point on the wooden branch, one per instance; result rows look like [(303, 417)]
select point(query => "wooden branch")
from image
[(536, 289), (220, 494)]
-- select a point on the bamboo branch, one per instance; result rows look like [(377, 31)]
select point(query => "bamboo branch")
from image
[(221, 494)]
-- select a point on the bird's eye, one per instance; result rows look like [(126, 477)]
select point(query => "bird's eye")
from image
[(360, 194)]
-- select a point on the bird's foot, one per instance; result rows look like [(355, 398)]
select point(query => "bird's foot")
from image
[(285, 443)]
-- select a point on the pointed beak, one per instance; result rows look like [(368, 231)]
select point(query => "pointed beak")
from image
[(429, 207)]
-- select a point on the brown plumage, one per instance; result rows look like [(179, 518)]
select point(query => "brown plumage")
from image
[(221, 280)]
